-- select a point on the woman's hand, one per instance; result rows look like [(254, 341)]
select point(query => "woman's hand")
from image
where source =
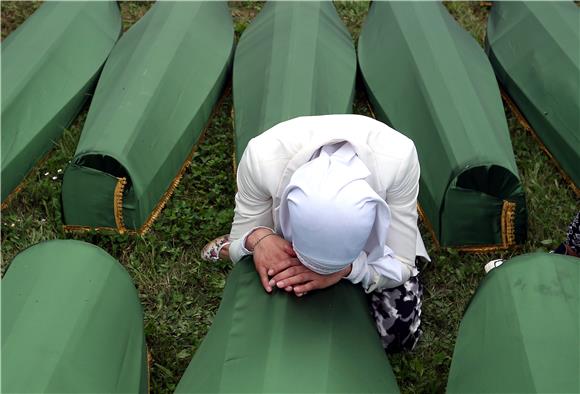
[(272, 254), (301, 279)]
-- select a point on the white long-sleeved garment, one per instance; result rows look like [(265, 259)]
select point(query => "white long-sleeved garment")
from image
[(271, 158)]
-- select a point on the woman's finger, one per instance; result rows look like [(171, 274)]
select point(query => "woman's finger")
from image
[(296, 280), (264, 279), (288, 273), (305, 288), (282, 265)]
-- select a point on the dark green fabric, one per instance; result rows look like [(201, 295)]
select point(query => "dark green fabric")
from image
[(48, 71), (71, 323), (295, 59), (152, 102), (324, 342), (534, 48), (520, 333), (430, 80)]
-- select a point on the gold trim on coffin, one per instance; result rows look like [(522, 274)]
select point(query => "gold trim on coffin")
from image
[(25, 180), (118, 200), (507, 224), (118, 204), (527, 127)]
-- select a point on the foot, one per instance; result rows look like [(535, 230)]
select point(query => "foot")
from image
[(211, 251), (492, 264)]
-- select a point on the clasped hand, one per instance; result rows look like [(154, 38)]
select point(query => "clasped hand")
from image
[(277, 266)]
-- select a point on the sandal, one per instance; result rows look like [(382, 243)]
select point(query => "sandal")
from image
[(211, 251)]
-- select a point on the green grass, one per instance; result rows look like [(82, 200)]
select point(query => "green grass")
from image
[(180, 293)]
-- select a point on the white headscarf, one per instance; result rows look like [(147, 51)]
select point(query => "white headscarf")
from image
[(330, 213)]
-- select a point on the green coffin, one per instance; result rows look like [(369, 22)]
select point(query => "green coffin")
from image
[(534, 48), (295, 59), (153, 100), (520, 333), (325, 342), (430, 80), (71, 323), (49, 67)]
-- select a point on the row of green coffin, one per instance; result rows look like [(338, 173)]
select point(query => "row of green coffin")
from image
[(153, 98), (72, 322), (425, 76)]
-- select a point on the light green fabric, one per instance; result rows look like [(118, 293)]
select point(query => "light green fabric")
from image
[(49, 67), (324, 342), (430, 80), (520, 333), (534, 48), (295, 59), (151, 105), (71, 323)]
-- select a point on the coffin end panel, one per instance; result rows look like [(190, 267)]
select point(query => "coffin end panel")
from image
[(97, 193), (484, 208)]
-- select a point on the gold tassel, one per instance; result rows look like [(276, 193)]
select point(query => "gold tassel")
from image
[(118, 204), (508, 231)]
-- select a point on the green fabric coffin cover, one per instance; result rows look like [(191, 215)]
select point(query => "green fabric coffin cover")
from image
[(71, 323), (295, 59), (324, 342), (534, 48), (521, 331), (430, 80), (49, 67), (151, 105)]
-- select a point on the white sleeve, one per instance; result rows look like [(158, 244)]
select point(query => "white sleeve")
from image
[(253, 201), (383, 273), (238, 247), (402, 201)]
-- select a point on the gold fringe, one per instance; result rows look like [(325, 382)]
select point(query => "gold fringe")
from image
[(75, 228), (524, 123), (508, 230), (234, 158), (507, 223), (166, 196), (483, 248), (175, 182), (427, 223), (171, 189), (118, 204), (24, 181), (13, 194)]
